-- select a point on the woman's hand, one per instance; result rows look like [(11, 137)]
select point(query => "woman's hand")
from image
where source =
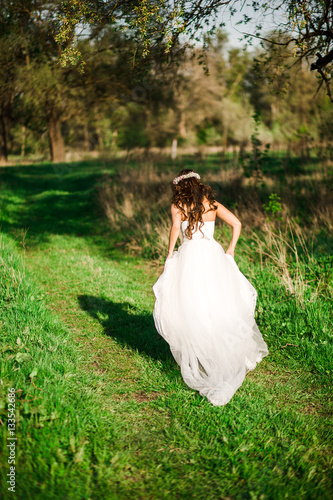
[(174, 232), (225, 214), (231, 252)]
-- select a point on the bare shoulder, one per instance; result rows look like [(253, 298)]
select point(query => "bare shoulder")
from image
[(176, 216), (223, 213), (174, 209), (207, 204), (220, 206)]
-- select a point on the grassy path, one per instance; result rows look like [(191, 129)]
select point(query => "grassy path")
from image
[(108, 415), (107, 309), (107, 306)]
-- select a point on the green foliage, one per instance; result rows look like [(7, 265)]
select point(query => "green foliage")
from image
[(254, 161), (41, 96), (273, 207), (160, 25), (132, 131)]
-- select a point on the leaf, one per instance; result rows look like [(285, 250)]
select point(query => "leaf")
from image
[(7, 348), (33, 373), (72, 443), (115, 458), (21, 357), (54, 415), (78, 457), (61, 455), (18, 341)]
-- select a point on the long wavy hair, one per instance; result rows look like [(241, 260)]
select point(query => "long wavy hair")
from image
[(188, 197)]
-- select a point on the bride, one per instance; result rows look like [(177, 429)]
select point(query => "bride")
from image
[(204, 305)]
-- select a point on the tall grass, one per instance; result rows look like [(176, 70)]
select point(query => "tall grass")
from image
[(136, 203), (285, 253)]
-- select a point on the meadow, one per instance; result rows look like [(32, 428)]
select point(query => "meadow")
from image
[(101, 408)]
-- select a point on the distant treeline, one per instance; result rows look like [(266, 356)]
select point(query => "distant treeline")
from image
[(202, 97)]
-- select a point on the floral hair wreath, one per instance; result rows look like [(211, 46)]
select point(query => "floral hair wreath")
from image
[(186, 176)]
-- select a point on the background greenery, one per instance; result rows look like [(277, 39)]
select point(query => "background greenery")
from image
[(123, 101)]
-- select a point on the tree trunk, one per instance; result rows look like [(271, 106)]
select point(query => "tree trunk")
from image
[(99, 138), (225, 138), (182, 125), (86, 137), (174, 149), (57, 147), (3, 138), (23, 141)]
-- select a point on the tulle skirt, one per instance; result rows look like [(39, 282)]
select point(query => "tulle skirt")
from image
[(204, 309)]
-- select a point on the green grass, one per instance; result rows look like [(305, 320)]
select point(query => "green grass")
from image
[(102, 411)]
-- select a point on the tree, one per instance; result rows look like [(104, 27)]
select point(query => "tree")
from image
[(30, 71), (7, 93), (46, 91), (190, 106), (12, 54), (157, 26), (306, 28), (29, 61), (285, 96)]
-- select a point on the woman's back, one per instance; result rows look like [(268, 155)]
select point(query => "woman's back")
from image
[(208, 214), (206, 230)]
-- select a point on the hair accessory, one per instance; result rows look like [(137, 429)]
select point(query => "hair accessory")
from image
[(186, 176)]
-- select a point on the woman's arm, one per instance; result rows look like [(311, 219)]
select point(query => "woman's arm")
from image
[(225, 214), (174, 232)]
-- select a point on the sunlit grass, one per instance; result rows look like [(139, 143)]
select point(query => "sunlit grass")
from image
[(107, 414)]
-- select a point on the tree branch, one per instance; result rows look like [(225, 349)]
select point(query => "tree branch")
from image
[(327, 83), (322, 61)]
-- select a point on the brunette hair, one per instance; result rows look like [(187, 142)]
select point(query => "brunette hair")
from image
[(188, 197)]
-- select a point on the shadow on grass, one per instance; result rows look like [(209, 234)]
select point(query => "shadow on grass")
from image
[(49, 199), (123, 322)]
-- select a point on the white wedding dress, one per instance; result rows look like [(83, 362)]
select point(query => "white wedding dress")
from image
[(204, 309)]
